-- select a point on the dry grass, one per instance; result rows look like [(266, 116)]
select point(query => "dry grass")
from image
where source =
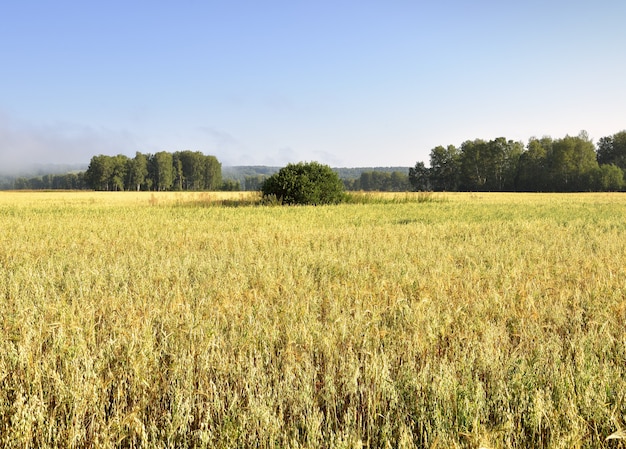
[(145, 320)]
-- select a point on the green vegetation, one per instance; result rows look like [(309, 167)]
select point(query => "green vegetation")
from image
[(144, 320), (570, 164), (304, 183), (380, 181), (182, 170), (384, 179)]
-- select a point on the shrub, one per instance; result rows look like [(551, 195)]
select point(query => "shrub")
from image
[(305, 183)]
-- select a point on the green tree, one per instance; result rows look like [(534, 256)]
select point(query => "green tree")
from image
[(612, 150), (230, 185), (98, 174), (119, 172), (305, 183), (503, 158), (191, 169), (610, 178), (445, 168), (532, 168), (419, 177), (137, 171), (21, 183), (366, 181), (212, 173), (254, 182), (572, 163), (352, 184), (489, 166), (179, 178), (162, 170), (474, 167), (399, 181), (375, 181)]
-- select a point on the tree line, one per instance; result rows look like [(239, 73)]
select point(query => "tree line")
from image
[(68, 181), (379, 181), (393, 179), (368, 181), (569, 164), (182, 170)]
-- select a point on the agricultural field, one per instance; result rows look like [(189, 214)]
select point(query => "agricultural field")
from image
[(200, 320)]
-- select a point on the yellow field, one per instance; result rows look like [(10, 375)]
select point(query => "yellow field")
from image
[(172, 320)]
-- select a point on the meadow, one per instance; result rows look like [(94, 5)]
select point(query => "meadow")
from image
[(199, 320)]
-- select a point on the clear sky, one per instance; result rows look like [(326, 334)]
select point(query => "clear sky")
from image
[(343, 82)]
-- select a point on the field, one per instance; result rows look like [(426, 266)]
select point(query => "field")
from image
[(184, 320)]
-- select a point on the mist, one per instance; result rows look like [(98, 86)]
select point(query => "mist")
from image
[(26, 148)]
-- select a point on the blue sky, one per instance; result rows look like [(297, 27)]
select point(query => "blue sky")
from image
[(347, 83)]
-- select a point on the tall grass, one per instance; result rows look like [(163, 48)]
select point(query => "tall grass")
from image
[(127, 320)]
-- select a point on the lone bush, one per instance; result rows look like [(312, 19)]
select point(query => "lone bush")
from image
[(304, 183)]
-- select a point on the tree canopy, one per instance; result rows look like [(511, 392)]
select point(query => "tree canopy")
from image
[(182, 170), (569, 164), (305, 183)]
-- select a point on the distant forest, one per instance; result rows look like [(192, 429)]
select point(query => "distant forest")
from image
[(569, 164), (188, 170)]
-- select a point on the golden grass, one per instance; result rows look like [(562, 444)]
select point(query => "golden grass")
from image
[(150, 320)]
